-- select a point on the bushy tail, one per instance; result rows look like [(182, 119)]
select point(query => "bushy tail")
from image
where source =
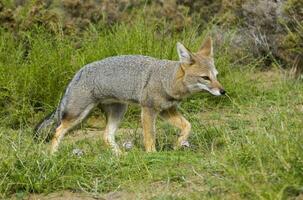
[(46, 128)]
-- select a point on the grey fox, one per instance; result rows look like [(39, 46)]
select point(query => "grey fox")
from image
[(157, 85)]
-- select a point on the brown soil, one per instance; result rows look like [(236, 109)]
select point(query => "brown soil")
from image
[(68, 195)]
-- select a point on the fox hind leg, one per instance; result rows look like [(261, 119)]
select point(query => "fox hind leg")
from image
[(176, 119), (114, 115), (59, 134), (67, 123)]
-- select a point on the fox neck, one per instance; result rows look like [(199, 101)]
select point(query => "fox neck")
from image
[(177, 88)]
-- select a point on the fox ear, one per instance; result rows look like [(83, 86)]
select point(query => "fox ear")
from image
[(206, 48), (185, 55)]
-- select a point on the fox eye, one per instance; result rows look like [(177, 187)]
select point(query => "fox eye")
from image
[(206, 78)]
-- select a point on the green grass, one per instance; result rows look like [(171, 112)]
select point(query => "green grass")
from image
[(245, 146)]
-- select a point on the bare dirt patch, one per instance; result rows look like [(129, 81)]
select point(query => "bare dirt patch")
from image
[(63, 195), (97, 133), (68, 195)]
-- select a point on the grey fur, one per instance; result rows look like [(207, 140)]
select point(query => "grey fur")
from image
[(124, 79)]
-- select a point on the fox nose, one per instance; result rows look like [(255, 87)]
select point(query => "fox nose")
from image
[(222, 91)]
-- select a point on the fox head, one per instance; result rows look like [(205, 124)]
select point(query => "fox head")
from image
[(198, 69)]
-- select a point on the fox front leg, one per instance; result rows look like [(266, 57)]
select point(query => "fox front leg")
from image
[(176, 119), (148, 118)]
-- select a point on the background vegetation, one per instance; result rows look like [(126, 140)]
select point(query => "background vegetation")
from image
[(244, 146)]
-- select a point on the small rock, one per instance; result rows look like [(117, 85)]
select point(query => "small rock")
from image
[(128, 145), (185, 143), (78, 152)]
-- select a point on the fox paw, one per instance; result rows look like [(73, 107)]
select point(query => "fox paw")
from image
[(117, 152)]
